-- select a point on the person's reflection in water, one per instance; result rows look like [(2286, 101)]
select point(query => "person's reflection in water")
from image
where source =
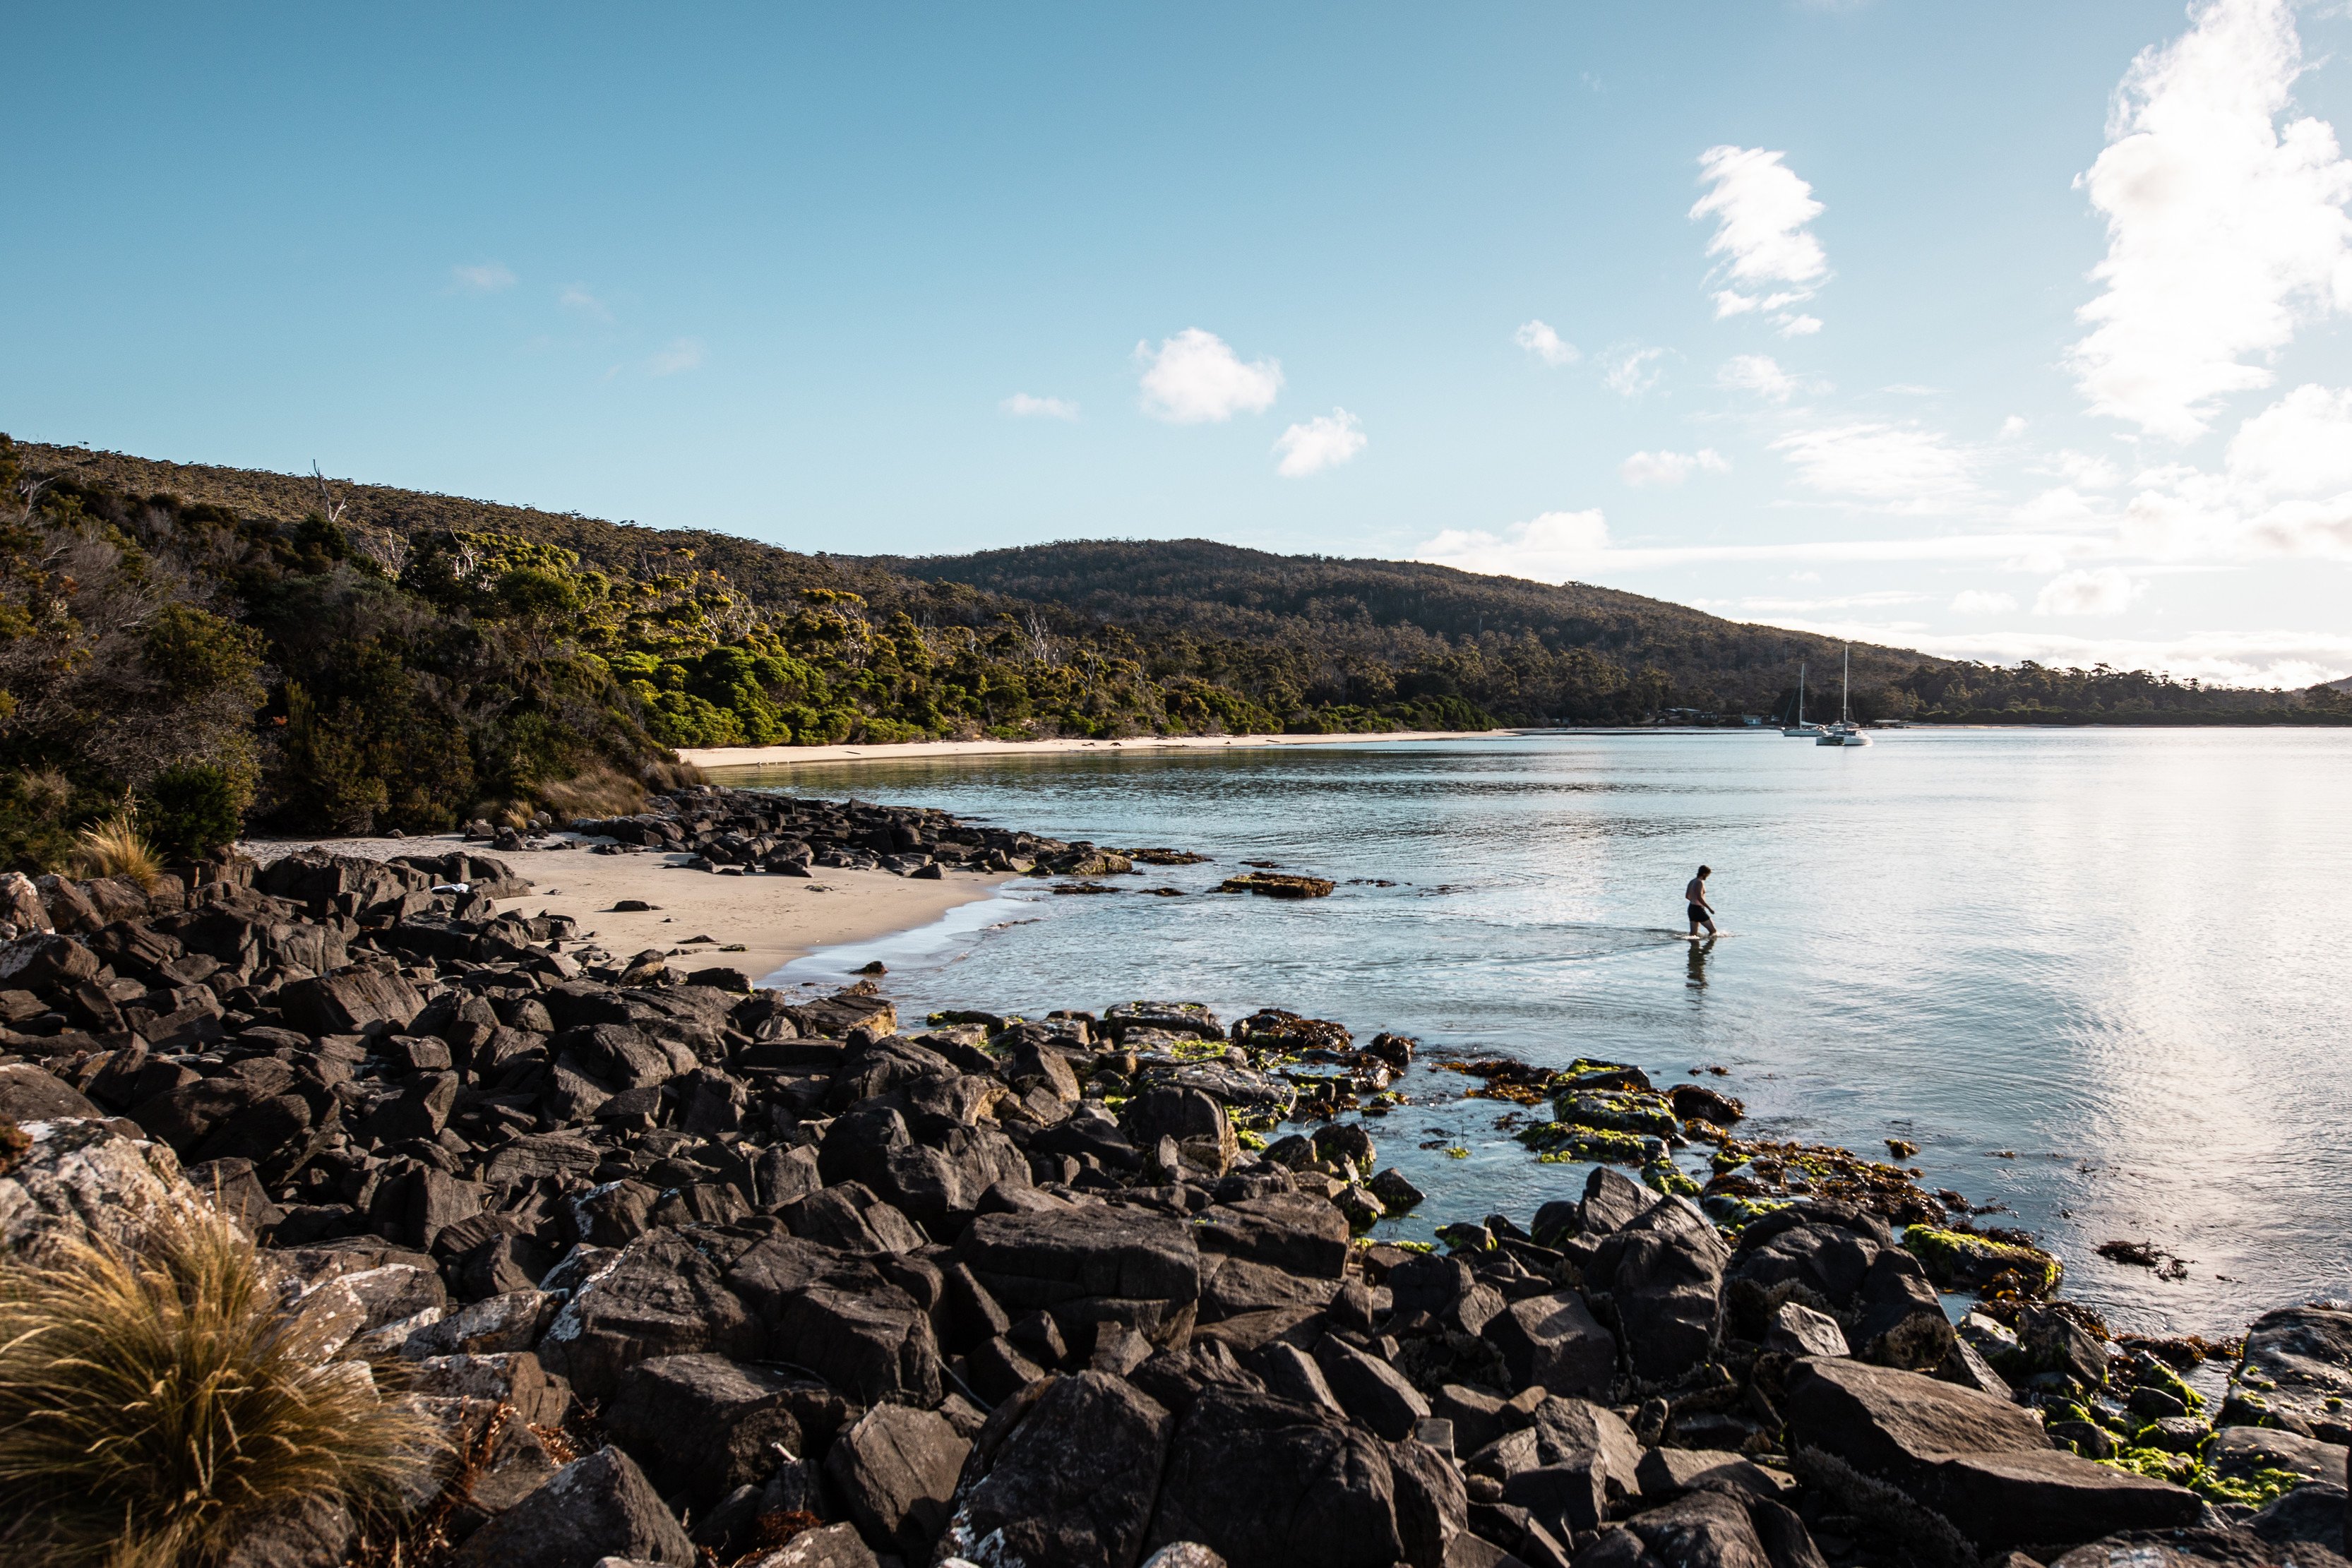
[(1698, 952)]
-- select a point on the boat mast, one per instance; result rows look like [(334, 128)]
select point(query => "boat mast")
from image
[(1845, 685), (1801, 693)]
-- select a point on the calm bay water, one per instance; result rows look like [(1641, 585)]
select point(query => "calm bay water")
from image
[(2115, 957)]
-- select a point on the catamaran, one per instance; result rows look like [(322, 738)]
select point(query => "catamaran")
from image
[(1799, 730), (1844, 732)]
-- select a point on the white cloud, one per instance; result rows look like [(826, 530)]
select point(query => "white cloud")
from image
[(1549, 549), (1538, 338), (2012, 427), (2105, 591), (1799, 326), (1021, 405), (1976, 601), (677, 355), (2267, 658), (1194, 378), (1324, 442), (1771, 260), (2084, 470), (2223, 231), (1759, 373), (1900, 466), (1670, 469), (578, 297), (1875, 599), (2299, 445), (487, 279), (1631, 370)]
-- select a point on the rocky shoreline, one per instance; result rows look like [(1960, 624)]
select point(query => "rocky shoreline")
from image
[(685, 1271)]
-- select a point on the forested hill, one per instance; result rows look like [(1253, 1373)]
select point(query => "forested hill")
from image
[(1407, 611)]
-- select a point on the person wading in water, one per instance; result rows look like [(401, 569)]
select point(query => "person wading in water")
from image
[(1701, 912)]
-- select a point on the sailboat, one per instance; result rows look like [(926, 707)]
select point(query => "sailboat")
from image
[(1844, 732), (1800, 729)]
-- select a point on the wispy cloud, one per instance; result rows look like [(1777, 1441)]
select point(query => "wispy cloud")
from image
[(2260, 658), (1538, 338), (1324, 442), (1979, 601), (1021, 405), (1196, 378), (677, 355), (576, 297), (1630, 370), (1647, 469), (1557, 546), (2108, 590), (487, 278), (1771, 259), (1758, 373), (1900, 468), (2224, 231)]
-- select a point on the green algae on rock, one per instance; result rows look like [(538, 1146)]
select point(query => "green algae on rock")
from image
[(1962, 1260)]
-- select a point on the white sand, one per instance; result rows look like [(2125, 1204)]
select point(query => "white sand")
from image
[(776, 918), (729, 757)]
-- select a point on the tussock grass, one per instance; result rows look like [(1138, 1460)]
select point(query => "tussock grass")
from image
[(114, 848), (155, 1406), (596, 791)]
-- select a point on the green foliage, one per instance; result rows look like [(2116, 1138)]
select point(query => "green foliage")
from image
[(192, 807)]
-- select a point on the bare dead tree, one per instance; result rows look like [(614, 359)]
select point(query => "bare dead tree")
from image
[(329, 507), (1040, 641)]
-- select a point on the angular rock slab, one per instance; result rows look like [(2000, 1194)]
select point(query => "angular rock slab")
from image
[(600, 1506), (81, 1181), (1984, 1464), (1265, 1483), (1075, 1482), (895, 1471)]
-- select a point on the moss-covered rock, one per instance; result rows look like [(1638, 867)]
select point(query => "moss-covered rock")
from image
[(1960, 1260), (1620, 1111)]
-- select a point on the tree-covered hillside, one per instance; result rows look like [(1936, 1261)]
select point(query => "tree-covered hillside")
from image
[(202, 648)]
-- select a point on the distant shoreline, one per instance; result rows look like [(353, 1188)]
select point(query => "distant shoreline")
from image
[(731, 758)]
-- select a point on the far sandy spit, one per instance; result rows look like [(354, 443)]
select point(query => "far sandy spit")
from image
[(712, 759), (776, 918)]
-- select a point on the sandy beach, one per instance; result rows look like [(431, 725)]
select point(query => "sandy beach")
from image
[(774, 918), (729, 758)]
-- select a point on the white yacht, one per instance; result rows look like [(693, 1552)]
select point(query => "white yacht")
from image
[(1844, 732), (1800, 729)]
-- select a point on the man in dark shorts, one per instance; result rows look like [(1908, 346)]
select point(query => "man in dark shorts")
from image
[(1701, 912)]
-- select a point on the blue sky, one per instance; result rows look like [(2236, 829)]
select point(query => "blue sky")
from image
[(1996, 329)]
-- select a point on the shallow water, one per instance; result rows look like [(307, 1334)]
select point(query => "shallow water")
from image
[(2113, 956)]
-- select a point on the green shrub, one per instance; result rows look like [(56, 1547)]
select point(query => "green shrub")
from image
[(192, 807)]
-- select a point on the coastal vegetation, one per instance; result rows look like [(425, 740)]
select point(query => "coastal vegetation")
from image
[(185, 650)]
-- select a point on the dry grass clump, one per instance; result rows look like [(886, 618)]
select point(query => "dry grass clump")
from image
[(114, 848), (595, 791), (156, 1405)]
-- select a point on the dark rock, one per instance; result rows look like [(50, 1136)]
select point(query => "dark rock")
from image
[(2052, 1340), (1075, 1482), (1290, 1373), (2302, 1356), (1553, 1341), (30, 1094), (1984, 1464), (1664, 1274), (2313, 1514), (1086, 1265), (829, 1546), (2239, 1452), (352, 1002), (937, 1182), (703, 1425), (1667, 1473), (1611, 1202), (660, 1297), (1268, 1484), (1197, 1122), (597, 1507), (853, 1218), (1702, 1530), (1371, 1391), (1798, 1329), (1292, 1231), (895, 1471), (1898, 1318), (840, 1319)]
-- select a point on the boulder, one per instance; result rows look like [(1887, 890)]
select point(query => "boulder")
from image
[(1072, 1484), (597, 1507), (30, 1094), (937, 1182), (1085, 1266), (1798, 1329), (350, 1001), (1371, 1391), (895, 1471), (1664, 1274), (1702, 1530), (1265, 1483), (839, 1318), (703, 1425), (2298, 1362), (2237, 1452), (853, 1218), (1196, 1121), (1553, 1341), (1291, 1231), (2312, 1515), (660, 1297), (83, 1181), (1984, 1464), (42, 963), (829, 1546)]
